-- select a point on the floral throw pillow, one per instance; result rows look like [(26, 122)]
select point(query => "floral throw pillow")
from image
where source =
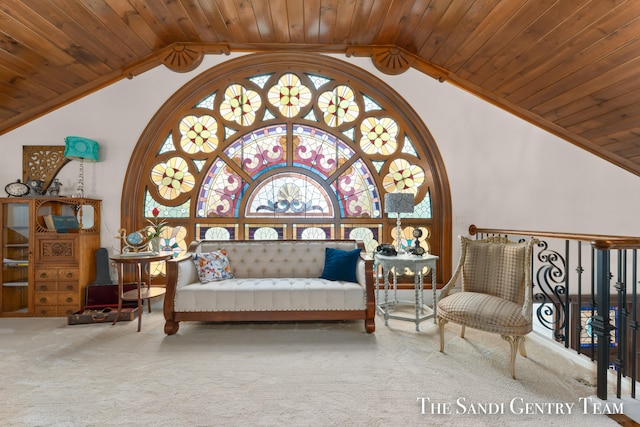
[(213, 266)]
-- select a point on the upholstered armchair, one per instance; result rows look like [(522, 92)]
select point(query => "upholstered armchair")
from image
[(495, 291)]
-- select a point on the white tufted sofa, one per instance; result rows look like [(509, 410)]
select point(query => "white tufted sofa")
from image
[(274, 280)]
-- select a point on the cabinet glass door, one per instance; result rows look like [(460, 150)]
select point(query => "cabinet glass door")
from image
[(16, 232)]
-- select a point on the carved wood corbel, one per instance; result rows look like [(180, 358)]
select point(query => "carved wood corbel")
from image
[(42, 162), (393, 60), (185, 57)]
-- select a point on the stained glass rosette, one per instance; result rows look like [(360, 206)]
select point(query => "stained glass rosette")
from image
[(289, 95), (338, 106), (240, 104), (403, 177), (379, 135), (172, 178), (198, 134)]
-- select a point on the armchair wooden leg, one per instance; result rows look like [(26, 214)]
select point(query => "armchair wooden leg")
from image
[(523, 351), (515, 342), (462, 332), (441, 323)]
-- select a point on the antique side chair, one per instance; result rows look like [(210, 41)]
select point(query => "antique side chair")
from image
[(495, 293)]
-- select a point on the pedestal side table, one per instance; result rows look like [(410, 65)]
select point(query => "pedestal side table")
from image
[(396, 265), (141, 263)]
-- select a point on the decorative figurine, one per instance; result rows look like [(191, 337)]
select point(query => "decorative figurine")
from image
[(135, 242), (54, 188), (146, 239), (417, 249), (35, 187)]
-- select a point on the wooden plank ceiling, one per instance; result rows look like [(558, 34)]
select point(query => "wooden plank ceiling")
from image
[(569, 66)]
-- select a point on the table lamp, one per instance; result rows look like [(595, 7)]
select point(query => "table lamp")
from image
[(398, 203), (78, 148)]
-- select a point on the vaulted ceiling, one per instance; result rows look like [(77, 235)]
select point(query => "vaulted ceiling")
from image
[(568, 66)]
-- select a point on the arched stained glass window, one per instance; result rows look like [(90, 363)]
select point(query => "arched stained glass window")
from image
[(288, 146)]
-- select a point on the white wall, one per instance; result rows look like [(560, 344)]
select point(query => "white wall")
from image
[(503, 172), (507, 173)]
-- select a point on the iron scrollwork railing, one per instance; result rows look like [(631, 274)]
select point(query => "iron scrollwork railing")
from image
[(550, 290)]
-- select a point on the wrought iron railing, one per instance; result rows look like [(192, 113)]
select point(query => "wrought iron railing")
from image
[(572, 288)]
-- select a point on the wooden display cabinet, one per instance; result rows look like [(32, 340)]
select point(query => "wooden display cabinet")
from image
[(17, 238), (45, 271)]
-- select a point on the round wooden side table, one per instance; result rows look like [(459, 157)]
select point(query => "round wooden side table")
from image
[(141, 263)]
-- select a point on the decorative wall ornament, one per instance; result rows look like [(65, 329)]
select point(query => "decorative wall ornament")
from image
[(394, 60), (42, 162), (185, 57), (391, 60), (181, 58)]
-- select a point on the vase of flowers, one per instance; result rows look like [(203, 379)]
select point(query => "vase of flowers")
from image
[(154, 231)]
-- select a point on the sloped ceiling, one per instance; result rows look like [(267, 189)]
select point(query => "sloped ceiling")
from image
[(568, 66)]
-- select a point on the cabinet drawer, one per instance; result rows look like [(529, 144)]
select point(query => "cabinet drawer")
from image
[(46, 286), (68, 274), (67, 310), (67, 299), (46, 298), (67, 287), (46, 310), (46, 274)]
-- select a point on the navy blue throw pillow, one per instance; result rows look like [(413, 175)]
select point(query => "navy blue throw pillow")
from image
[(340, 265)]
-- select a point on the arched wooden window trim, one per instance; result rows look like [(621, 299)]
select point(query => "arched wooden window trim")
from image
[(164, 122)]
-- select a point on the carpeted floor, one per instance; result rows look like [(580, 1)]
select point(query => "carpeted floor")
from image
[(287, 374)]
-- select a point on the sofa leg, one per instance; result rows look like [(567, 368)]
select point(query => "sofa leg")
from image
[(369, 325), (171, 327)]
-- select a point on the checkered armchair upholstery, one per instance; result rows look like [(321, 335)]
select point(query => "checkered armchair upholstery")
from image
[(494, 292)]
